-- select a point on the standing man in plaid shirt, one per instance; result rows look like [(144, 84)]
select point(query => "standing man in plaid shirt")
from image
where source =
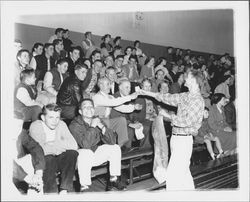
[(185, 123)]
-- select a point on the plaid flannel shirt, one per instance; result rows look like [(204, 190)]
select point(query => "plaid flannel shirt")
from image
[(190, 111)]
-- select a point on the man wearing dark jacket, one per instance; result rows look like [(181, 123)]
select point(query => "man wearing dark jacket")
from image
[(96, 145), (70, 92), (30, 162), (73, 58)]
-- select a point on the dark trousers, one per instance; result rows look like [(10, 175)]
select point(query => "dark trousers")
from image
[(131, 137), (64, 163), (147, 141), (31, 113)]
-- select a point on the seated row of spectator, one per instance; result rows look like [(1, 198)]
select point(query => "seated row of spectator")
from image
[(97, 96)]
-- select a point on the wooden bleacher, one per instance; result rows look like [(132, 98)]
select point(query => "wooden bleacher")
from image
[(134, 159), (130, 161)]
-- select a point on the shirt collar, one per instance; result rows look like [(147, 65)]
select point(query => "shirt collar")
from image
[(104, 94)]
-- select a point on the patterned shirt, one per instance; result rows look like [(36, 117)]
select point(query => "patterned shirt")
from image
[(190, 111), (150, 111), (92, 83)]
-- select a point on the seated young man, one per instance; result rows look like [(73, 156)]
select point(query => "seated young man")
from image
[(111, 75), (73, 58), (44, 62), (89, 85), (52, 82), (25, 95), (29, 162), (147, 115), (59, 52), (88, 44), (21, 64), (58, 35), (59, 148), (70, 92), (97, 144), (135, 128), (103, 103)]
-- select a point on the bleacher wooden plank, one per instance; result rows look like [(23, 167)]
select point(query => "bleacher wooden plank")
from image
[(219, 173), (135, 160), (137, 153)]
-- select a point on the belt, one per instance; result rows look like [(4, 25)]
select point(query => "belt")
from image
[(181, 134)]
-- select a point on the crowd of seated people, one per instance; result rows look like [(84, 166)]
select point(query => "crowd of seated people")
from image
[(84, 107)]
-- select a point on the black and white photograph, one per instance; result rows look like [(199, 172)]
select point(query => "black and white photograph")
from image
[(125, 100)]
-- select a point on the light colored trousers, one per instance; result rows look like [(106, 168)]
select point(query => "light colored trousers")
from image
[(26, 163), (178, 176), (119, 125), (87, 159)]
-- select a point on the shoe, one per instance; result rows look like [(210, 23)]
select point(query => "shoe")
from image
[(116, 185), (220, 155), (213, 156), (63, 192), (84, 189)]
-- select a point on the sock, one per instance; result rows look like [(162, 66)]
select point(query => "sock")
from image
[(83, 187), (113, 178), (212, 155), (220, 151)]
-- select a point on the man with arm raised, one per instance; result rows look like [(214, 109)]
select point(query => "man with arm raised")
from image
[(103, 103), (185, 123)]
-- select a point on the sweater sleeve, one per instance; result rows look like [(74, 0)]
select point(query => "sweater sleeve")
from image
[(100, 100), (35, 150), (18, 172), (67, 141), (47, 83)]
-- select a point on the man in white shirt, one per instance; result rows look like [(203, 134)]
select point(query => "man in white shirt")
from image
[(58, 35), (111, 75), (88, 44), (52, 82), (134, 127), (59, 148), (103, 103), (25, 95)]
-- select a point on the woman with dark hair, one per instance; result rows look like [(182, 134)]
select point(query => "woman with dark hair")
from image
[(159, 77), (161, 64), (106, 46), (223, 87), (138, 49), (147, 70), (117, 41), (141, 57), (217, 121), (206, 89), (206, 135), (127, 52)]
